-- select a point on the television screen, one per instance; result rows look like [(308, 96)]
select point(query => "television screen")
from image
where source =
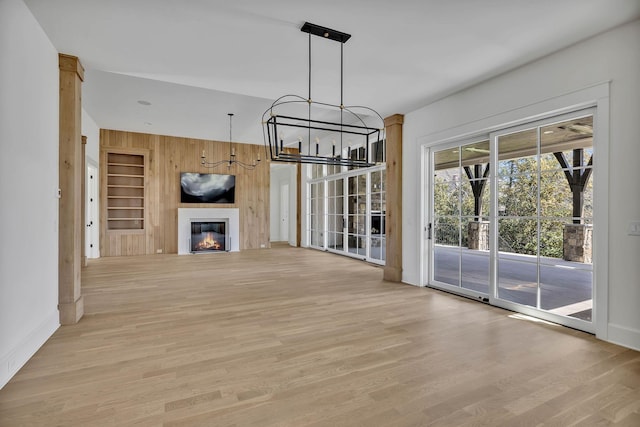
[(207, 188)]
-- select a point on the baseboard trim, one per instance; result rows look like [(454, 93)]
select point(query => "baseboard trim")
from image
[(624, 336), (14, 359)]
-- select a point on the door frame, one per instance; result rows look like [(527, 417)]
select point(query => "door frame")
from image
[(280, 174)]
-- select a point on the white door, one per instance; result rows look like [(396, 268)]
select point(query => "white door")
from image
[(91, 212), (284, 212)]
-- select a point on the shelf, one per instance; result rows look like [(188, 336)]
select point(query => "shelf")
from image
[(125, 181), (125, 164), (125, 197), (125, 219), (125, 175), (139, 208)]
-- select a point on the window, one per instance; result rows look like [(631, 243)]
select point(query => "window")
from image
[(348, 210)]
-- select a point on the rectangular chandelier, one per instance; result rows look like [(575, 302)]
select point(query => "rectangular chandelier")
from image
[(331, 134), (358, 136)]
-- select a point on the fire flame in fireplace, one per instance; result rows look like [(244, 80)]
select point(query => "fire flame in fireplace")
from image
[(208, 242)]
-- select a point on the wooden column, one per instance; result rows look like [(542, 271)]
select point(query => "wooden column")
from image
[(70, 302), (393, 217)]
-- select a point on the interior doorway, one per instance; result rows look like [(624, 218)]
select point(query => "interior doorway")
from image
[(283, 206)]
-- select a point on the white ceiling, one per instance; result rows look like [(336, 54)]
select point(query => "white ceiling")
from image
[(197, 60)]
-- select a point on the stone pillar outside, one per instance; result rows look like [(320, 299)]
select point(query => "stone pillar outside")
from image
[(478, 232), (577, 243)]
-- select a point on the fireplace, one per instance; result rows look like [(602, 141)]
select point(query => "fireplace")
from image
[(209, 236), (229, 216)]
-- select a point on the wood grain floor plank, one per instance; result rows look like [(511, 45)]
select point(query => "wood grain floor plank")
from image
[(295, 337)]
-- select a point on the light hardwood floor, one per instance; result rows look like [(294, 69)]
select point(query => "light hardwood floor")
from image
[(296, 337)]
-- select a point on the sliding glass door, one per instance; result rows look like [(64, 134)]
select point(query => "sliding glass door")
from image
[(460, 222), (517, 234), (544, 189)]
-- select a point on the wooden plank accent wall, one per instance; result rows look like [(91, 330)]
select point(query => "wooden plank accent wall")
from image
[(166, 157)]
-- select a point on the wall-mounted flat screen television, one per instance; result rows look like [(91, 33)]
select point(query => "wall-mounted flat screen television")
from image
[(207, 188)]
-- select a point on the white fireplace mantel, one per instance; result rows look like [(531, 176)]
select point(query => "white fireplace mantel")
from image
[(186, 215)]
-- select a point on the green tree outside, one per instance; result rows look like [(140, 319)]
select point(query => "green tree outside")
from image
[(518, 206)]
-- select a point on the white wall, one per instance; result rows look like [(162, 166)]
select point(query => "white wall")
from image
[(91, 130), (28, 187), (612, 56)]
